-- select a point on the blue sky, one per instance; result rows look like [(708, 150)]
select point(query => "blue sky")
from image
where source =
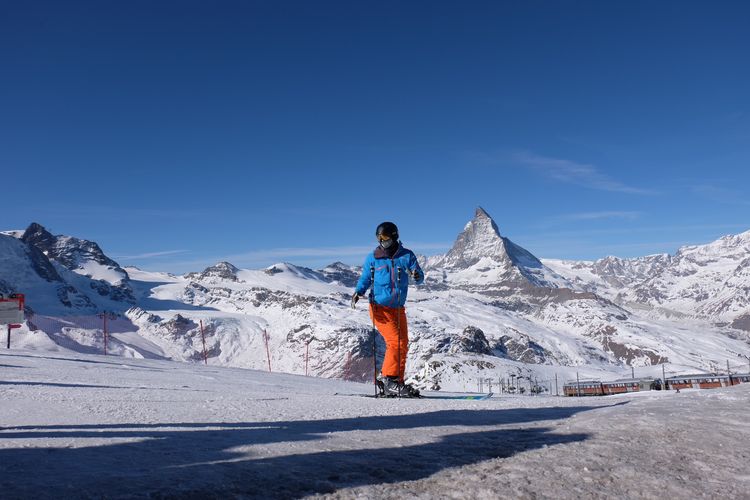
[(176, 134)]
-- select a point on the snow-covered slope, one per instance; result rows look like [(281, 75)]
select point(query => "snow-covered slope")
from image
[(82, 426)]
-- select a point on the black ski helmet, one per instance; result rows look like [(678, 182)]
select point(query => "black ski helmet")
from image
[(387, 229)]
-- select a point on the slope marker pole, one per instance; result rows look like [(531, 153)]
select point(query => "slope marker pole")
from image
[(307, 355), (268, 352), (203, 336)]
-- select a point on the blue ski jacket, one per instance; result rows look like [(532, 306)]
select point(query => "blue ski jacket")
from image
[(389, 276)]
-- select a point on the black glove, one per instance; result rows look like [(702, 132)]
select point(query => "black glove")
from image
[(355, 298), (416, 275)]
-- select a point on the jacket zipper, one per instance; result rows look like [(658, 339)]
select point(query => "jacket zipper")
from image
[(393, 281)]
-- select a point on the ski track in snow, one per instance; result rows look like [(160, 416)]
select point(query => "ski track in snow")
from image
[(87, 426)]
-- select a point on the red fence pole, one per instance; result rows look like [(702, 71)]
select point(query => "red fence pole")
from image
[(104, 315), (203, 336), (348, 367), (307, 356), (268, 352)]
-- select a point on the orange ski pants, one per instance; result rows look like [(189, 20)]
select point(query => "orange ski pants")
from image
[(391, 323)]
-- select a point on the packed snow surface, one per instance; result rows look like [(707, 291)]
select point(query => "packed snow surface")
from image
[(88, 426)]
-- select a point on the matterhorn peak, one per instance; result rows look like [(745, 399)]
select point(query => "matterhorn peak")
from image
[(479, 240), (480, 212), (481, 250), (483, 223)]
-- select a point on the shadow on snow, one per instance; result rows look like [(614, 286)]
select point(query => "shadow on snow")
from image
[(208, 459), (144, 289)]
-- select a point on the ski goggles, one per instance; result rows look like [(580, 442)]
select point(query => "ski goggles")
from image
[(383, 237)]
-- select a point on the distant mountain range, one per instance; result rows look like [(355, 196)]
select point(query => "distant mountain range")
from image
[(488, 309)]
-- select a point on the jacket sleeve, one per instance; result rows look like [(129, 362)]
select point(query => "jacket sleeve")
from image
[(414, 266), (365, 281)]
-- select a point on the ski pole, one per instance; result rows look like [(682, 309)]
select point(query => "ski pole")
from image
[(398, 326), (374, 332)]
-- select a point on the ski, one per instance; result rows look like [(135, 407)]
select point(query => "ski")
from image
[(373, 396), (464, 397)]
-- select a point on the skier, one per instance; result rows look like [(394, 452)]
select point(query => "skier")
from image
[(387, 270)]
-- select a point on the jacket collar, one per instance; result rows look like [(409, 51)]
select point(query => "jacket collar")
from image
[(381, 253)]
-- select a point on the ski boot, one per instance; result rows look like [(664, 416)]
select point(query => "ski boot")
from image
[(390, 387)]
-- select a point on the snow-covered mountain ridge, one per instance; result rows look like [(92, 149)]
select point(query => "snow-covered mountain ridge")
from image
[(710, 282), (489, 309)]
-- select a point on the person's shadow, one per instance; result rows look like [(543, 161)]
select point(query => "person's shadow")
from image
[(260, 459)]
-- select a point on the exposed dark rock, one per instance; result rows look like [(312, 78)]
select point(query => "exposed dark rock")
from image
[(211, 349), (302, 333), (522, 349), (136, 313), (471, 340), (742, 322), (623, 353), (342, 273), (119, 293), (256, 296), (41, 264), (179, 325), (70, 297), (221, 270)]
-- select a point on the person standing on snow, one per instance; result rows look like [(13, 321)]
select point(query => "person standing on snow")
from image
[(387, 270)]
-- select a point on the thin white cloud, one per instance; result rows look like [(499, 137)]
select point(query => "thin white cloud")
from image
[(149, 255), (583, 216), (304, 256), (580, 174), (263, 258)]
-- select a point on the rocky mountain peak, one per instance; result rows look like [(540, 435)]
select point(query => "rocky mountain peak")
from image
[(54, 255), (222, 270), (483, 224), (338, 271), (71, 252), (37, 235), (481, 213), (224, 266), (480, 240)]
